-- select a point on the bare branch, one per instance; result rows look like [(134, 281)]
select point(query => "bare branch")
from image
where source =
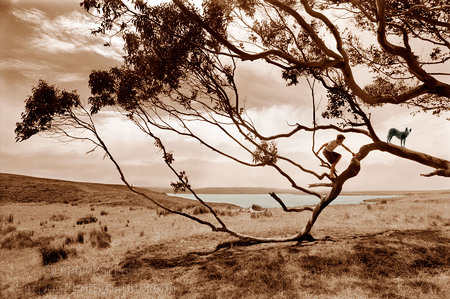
[(274, 196)]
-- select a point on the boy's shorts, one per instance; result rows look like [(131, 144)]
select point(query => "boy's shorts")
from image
[(332, 157)]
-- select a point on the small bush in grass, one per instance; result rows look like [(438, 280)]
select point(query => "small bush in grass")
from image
[(80, 237), (68, 241), (265, 213), (58, 217), (103, 213), (228, 212), (86, 220), (254, 215), (100, 238), (51, 255), (200, 210), (257, 207)]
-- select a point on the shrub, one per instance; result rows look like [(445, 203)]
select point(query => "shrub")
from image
[(80, 237), (265, 213), (257, 207), (200, 210), (58, 217), (86, 220), (228, 212), (254, 215), (100, 238), (51, 255), (103, 213), (68, 241)]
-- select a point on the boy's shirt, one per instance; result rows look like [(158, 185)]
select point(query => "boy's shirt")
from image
[(331, 145)]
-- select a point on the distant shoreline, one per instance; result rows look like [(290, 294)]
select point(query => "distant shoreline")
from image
[(256, 190)]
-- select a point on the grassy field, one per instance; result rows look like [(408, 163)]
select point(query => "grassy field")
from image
[(388, 249)]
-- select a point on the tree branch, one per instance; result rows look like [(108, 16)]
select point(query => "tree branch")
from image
[(274, 196)]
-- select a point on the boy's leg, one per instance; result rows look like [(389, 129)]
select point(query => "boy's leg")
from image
[(333, 167), (332, 170)]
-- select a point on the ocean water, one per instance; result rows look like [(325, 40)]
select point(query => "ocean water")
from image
[(266, 201)]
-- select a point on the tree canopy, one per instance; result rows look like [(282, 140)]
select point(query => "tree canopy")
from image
[(181, 59)]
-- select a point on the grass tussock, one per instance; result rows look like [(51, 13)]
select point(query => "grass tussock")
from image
[(79, 238), (264, 213), (100, 238), (59, 217), (86, 220), (200, 210), (51, 255), (228, 212), (19, 240), (257, 208)]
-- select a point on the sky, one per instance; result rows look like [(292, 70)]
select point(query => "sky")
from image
[(51, 40)]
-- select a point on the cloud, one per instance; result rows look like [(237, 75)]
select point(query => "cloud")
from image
[(65, 33)]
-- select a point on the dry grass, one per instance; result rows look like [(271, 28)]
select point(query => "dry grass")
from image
[(397, 249)]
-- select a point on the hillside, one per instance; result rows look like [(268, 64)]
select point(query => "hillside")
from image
[(18, 188)]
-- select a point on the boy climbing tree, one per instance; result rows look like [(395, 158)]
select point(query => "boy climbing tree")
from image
[(332, 156)]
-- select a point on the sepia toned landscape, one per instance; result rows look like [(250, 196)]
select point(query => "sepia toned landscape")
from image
[(394, 248), (224, 149)]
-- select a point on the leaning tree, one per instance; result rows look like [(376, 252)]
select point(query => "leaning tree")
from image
[(180, 67)]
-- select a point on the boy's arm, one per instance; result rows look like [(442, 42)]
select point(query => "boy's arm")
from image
[(348, 149), (322, 147)]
